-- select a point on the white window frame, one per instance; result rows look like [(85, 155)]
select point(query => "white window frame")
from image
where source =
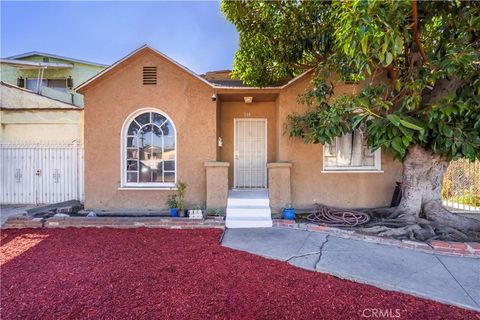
[(376, 168), (124, 185)]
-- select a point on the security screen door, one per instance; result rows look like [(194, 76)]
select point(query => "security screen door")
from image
[(250, 153)]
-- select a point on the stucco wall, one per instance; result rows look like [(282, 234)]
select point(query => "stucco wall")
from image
[(229, 110), (113, 97), (28, 117), (309, 184)]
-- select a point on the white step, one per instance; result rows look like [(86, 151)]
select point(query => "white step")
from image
[(248, 212), (248, 209), (248, 198), (238, 222), (248, 202)]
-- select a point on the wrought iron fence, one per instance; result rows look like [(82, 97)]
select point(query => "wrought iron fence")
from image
[(461, 185)]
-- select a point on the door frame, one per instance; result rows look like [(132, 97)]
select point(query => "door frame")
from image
[(235, 120)]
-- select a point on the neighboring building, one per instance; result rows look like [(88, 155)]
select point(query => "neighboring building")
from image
[(32, 118), (41, 133), (150, 122), (49, 75), (41, 148)]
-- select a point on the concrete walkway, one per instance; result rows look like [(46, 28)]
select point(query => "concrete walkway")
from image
[(451, 280), (11, 210)]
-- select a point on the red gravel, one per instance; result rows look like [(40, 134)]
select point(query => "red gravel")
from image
[(177, 274)]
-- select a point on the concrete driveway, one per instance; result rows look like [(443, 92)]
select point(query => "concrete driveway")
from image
[(447, 279)]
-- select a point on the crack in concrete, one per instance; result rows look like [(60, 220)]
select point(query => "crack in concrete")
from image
[(466, 292), (302, 255), (308, 253), (321, 251)]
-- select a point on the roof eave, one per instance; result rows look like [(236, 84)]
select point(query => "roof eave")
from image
[(37, 53), (110, 68)]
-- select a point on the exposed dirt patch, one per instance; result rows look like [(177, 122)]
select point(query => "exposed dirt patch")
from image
[(175, 274)]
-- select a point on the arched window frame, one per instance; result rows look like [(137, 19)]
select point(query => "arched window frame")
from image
[(123, 154)]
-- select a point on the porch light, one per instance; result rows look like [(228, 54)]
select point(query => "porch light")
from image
[(214, 97), (220, 142), (248, 99)]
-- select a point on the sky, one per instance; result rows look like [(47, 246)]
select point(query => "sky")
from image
[(194, 33)]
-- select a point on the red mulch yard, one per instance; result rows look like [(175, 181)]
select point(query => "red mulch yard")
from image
[(176, 274)]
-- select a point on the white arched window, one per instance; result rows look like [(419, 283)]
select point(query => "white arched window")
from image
[(148, 150)]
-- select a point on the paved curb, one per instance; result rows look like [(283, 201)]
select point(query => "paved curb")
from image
[(467, 249), (113, 222)]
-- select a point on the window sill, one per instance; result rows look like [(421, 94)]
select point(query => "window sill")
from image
[(352, 171), (147, 188)]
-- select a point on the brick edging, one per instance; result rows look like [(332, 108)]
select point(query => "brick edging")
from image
[(113, 222), (464, 249)]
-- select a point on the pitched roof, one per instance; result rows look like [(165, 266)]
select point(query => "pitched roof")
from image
[(43, 54), (144, 47), (16, 98), (218, 83), (35, 64)]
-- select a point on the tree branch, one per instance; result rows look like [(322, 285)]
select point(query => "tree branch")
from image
[(416, 32), (392, 72)]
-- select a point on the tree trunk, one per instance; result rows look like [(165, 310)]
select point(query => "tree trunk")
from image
[(420, 214), (422, 192)]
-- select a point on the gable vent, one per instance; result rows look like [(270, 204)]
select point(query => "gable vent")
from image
[(149, 75)]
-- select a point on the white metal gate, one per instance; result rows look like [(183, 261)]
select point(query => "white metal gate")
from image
[(250, 153), (41, 173)]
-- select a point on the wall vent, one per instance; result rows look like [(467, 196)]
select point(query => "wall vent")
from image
[(150, 75)]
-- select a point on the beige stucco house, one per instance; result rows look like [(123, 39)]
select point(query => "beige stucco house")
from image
[(150, 122)]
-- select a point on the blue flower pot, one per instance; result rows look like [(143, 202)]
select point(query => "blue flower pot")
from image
[(173, 212), (289, 213)]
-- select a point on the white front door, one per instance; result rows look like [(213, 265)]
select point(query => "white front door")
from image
[(250, 153)]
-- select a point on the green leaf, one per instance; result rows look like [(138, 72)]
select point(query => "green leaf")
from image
[(398, 146), (363, 102), (411, 125), (393, 118), (364, 43), (399, 45), (346, 46), (388, 58), (398, 85), (357, 121)]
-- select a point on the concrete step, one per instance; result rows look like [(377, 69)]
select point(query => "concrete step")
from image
[(248, 209), (248, 222), (248, 202), (248, 212)]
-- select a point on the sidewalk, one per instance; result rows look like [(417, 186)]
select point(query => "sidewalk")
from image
[(11, 210), (451, 280)]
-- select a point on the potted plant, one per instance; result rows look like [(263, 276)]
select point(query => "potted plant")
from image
[(181, 188), (288, 212), (172, 203)]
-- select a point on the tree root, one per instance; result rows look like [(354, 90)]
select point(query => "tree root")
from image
[(437, 224)]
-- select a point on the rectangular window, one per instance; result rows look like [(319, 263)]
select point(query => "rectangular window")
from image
[(56, 84), (350, 153)]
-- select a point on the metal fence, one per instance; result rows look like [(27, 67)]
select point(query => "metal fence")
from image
[(461, 185), (40, 173)]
